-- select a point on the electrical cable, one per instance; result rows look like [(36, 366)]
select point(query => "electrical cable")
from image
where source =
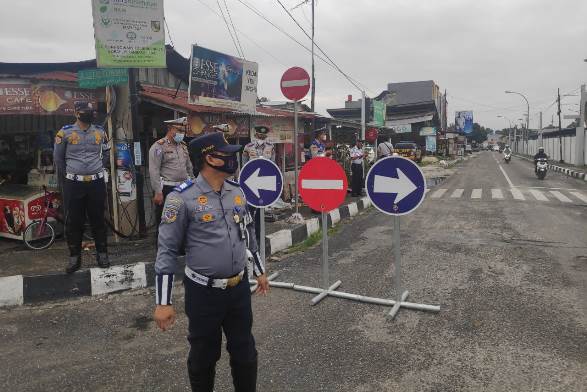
[(234, 29), (228, 28), (168, 32), (244, 34), (351, 80)]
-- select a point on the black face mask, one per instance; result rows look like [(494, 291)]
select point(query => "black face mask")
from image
[(86, 117), (230, 163)]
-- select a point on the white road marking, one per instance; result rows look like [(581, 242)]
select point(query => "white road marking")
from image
[(322, 184), (457, 193), (438, 194), (496, 194), (506, 176), (476, 194), (561, 197), (537, 195), (517, 194), (580, 196)]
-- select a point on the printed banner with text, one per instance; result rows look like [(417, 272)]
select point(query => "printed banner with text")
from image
[(224, 81)]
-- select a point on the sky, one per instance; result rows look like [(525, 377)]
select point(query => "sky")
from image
[(473, 49)]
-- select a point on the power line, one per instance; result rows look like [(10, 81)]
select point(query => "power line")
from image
[(234, 29), (351, 80), (244, 34), (168, 32), (228, 28)]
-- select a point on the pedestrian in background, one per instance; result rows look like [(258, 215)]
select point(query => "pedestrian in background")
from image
[(169, 164), (211, 214), (80, 154), (357, 156), (384, 148)]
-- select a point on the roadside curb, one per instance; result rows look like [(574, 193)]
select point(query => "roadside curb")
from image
[(564, 170), (30, 289)]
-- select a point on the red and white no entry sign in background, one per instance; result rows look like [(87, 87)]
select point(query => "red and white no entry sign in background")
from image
[(322, 184), (295, 83)]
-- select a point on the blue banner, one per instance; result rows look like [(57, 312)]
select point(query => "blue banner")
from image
[(464, 122), (431, 143)]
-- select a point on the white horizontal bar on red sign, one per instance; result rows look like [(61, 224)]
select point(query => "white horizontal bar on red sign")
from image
[(323, 184), (295, 83)]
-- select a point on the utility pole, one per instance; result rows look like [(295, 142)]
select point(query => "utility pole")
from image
[(134, 110), (313, 97), (560, 128), (540, 134)]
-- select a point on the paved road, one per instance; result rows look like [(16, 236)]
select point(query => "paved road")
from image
[(509, 275)]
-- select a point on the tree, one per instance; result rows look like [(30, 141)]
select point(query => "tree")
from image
[(479, 133)]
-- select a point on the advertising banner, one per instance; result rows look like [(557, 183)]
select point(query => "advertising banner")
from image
[(26, 98), (403, 128), (431, 143), (224, 81), (94, 78), (129, 33), (464, 122), (280, 129), (428, 131), (379, 113)]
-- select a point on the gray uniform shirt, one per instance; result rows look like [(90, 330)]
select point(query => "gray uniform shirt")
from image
[(205, 220), (169, 161), (80, 152), (257, 149)]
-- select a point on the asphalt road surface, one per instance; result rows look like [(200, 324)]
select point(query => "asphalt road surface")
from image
[(507, 266)]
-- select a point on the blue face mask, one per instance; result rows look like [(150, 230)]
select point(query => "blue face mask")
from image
[(178, 137)]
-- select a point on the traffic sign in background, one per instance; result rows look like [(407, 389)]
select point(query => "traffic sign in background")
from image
[(396, 185), (261, 181), (322, 184), (295, 83)]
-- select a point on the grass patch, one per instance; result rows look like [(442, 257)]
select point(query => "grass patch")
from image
[(312, 240)]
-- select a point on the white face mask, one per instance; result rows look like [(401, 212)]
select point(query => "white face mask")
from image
[(178, 137)]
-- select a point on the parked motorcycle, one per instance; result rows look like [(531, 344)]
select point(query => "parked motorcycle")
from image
[(507, 157), (541, 168)]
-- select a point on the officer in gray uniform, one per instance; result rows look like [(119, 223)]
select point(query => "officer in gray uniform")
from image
[(259, 147), (169, 164), (209, 214), (80, 154)]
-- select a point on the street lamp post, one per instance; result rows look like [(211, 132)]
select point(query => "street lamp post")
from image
[(527, 114), (509, 130)]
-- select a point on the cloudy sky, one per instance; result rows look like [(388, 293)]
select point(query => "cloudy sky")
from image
[(475, 49)]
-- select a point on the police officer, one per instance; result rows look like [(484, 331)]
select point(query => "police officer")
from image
[(260, 147), (357, 156), (318, 146), (211, 213), (169, 163), (80, 154)]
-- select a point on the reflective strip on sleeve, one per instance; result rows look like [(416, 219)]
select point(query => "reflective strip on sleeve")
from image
[(163, 289), (258, 268)]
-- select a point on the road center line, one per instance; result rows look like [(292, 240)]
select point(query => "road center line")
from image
[(506, 176)]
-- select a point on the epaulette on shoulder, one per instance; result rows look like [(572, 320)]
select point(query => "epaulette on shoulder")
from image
[(231, 182), (66, 127), (161, 141), (183, 186)]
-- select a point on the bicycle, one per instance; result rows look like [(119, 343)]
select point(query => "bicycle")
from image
[(40, 234)]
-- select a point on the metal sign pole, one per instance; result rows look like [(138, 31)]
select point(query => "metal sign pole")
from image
[(401, 296), (262, 235), (326, 287), (295, 141)]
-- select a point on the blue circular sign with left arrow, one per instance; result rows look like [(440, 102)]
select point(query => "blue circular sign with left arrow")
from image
[(396, 185), (261, 181)]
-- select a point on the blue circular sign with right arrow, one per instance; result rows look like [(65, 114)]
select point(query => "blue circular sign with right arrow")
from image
[(261, 181), (396, 185)]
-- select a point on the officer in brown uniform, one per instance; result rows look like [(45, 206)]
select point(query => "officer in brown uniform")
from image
[(169, 164)]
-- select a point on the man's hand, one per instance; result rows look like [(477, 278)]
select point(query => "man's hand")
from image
[(158, 198), (164, 316), (262, 285)]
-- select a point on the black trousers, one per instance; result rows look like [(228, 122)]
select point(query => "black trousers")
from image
[(159, 209), (356, 179), (81, 199), (211, 311)]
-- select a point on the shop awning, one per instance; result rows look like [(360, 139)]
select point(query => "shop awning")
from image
[(408, 119)]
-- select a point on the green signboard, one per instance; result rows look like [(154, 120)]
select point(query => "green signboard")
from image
[(379, 113), (101, 77)]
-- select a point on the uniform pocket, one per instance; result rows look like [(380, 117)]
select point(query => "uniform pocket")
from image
[(205, 216)]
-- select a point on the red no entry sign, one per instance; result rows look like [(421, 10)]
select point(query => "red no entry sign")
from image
[(295, 83), (322, 184)]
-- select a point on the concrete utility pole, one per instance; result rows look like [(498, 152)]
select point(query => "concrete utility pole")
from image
[(363, 116), (560, 128), (134, 110), (313, 96), (540, 132), (580, 133)]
